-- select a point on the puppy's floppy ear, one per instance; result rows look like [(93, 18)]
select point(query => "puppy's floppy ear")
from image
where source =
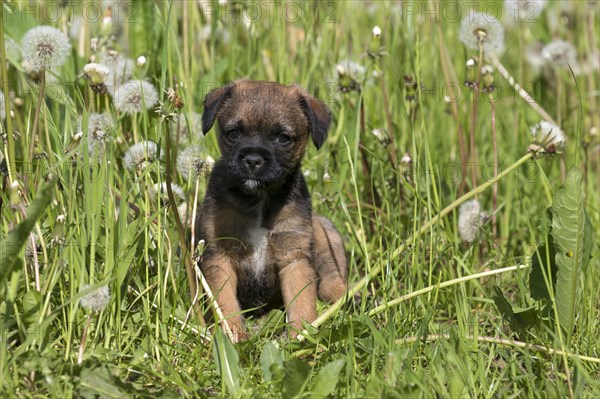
[(212, 104), (319, 118)]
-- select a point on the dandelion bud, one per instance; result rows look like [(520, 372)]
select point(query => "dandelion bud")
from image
[(97, 75), (487, 77), (141, 61), (410, 88), (471, 73), (94, 44), (15, 196), (383, 137)]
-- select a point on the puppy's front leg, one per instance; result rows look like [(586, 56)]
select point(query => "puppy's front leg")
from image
[(299, 289), (222, 280)]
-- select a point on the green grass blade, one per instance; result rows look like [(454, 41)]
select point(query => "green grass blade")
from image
[(227, 360)]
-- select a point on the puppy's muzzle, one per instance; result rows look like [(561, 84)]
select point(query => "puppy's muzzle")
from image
[(254, 160)]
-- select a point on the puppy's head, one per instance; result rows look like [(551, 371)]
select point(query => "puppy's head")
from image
[(263, 129)]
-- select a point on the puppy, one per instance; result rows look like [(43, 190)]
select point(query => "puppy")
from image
[(264, 247)]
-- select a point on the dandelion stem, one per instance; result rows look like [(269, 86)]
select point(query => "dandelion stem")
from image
[(444, 284), (495, 186), (36, 117), (402, 247), (500, 341), (522, 92), (84, 339)]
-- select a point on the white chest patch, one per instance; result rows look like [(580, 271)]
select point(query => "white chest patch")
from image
[(257, 239)]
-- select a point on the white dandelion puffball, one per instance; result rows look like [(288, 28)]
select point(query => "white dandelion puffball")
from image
[(482, 29), (99, 132), (45, 47), (191, 163), (134, 96), (121, 68), (470, 219), (97, 299), (190, 128), (140, 155), (560, 53), (351, 68), (160, 190)]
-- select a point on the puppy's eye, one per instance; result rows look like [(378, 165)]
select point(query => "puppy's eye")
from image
[(283, 139), (233, 134)]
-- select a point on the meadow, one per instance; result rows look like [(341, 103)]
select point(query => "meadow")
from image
[(462, 169)]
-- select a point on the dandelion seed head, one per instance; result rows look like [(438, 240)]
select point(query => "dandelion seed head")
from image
[(560, 53), (190, 128), (191, 163), (96, 300), (547, 138), (376, 31), (134, 96), (100, 131), (45, 47), (140, 155), (352, 69), (121, 68), (160, 190), (470, 220), (482, 29)]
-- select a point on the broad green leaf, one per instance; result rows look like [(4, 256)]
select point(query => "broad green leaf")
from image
[(271, 355), (98, 382), (295, 378), (572, 234), (327, 379), (16, 238), (227, 360)]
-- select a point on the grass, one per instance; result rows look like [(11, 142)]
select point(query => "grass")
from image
[(439, 317)]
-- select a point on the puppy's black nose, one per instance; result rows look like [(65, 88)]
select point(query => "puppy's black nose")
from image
[(253, 162)]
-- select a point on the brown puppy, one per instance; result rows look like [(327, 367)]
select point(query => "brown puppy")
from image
[(264, 248)]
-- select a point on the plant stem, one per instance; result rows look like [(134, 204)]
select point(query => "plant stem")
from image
[(36, 117), (495, 186), (448, 283), (499, 341), (522, 92)]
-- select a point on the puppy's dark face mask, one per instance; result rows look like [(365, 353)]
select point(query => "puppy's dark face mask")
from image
[(263, 131)]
